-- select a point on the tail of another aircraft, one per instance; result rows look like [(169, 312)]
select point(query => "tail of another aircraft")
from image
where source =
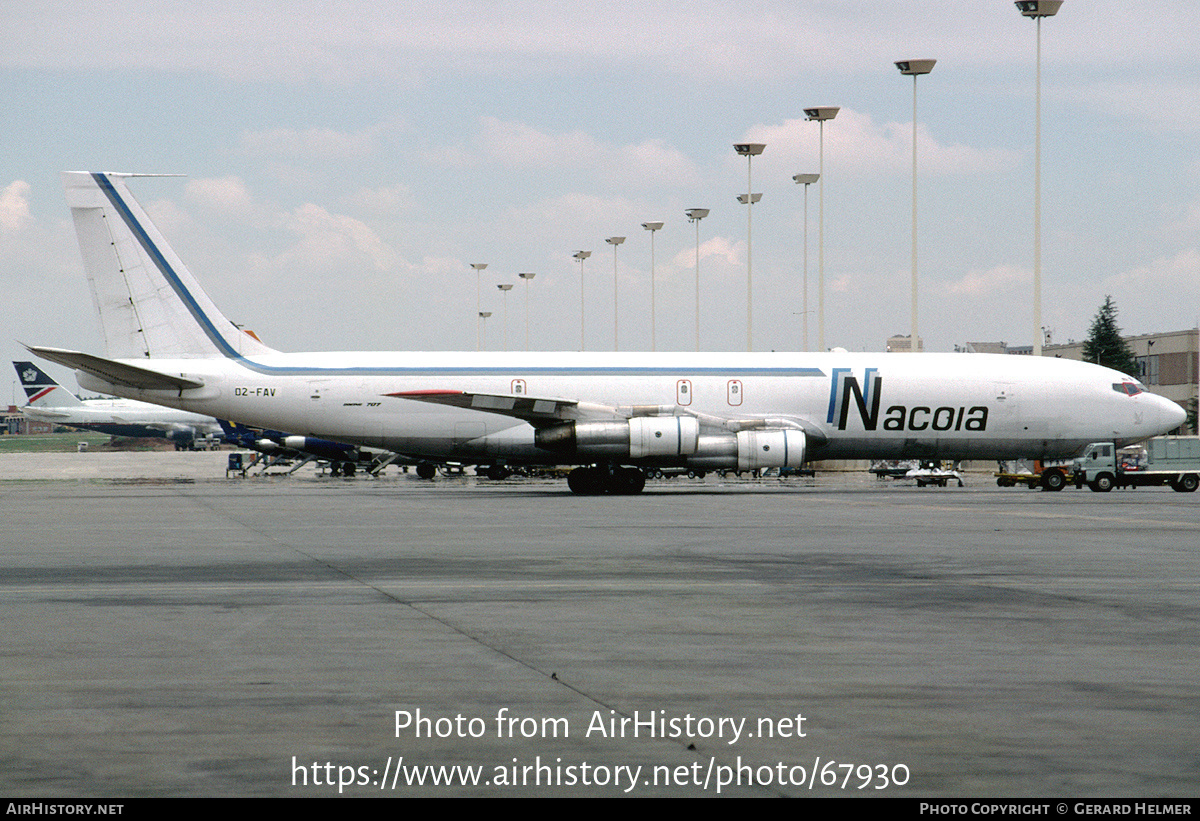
[(148, 302), (41, 391)]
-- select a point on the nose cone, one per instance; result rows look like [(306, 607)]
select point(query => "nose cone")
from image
[(1170, 414)]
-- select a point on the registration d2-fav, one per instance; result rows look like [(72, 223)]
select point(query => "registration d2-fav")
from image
[(610, 414)]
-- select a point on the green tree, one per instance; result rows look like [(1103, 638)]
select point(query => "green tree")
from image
[(1104, 344)]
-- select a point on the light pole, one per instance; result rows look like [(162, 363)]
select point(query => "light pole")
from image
[(483, 315), (915, 67), (1037, 9), (581, 256), (527, 278), (614, 242), (695, 215), (749, 151), (821, 114), (652, 227), (806, 180), (478, 266), (504, 289)]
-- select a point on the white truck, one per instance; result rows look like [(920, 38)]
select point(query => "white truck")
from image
[(1169, 460)]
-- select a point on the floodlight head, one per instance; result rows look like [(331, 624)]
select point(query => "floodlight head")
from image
[(694, 214), (652, 226), (822, 112), (615, 240), (915, 66), (507, 286), (582, 255), (1038, 8), (806, 179), (526, 276), (479, 266), (749, 149), (751, 198), (485, 314)]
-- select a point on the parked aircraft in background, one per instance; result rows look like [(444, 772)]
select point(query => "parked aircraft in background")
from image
[(612, 414), (48, 401)]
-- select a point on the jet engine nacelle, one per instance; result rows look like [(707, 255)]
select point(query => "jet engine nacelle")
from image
[(638, 438), (756, 449), (761, 449), (664, 437)]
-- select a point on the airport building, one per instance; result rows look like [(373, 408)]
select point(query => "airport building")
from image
[(903, 344), (16, 423)]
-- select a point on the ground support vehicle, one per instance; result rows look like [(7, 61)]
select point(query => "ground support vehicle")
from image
[(1168, 460)]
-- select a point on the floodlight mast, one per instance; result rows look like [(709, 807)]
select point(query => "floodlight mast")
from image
[(1037, 9), (806, 180), (527, 277), (614, 242), (914, 68), (821, 114), (694, 215), (652, 227), (749, 151), (478, 266), (581, 256)]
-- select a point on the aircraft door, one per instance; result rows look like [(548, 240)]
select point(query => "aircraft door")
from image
[(683, 392)]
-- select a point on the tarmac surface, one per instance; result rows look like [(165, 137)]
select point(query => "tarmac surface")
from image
[(169, 632)]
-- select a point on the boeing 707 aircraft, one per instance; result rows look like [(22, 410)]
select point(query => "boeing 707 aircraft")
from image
[(609, 414)]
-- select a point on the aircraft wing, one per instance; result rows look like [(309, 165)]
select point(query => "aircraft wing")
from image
[(537, 411), (544, 412), (116, 373)]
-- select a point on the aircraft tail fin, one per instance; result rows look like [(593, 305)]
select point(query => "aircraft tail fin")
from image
[(148, 302), (41, 391)]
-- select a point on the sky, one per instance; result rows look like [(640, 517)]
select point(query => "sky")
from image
[(344, 163)]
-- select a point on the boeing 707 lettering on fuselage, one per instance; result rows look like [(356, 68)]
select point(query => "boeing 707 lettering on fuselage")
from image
[(610, 414)]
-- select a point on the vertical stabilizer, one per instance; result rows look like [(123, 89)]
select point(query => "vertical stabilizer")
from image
[(149, 304), (41, 391)]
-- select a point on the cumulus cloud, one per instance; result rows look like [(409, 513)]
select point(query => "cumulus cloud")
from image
[(312, 143), (334, 241), (718, 249), (227, 195), (517, 145), (978, 282), (856, 144), (14, 206), (1176, 274)]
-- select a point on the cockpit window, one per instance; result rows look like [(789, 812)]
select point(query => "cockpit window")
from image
[(1129, 387)]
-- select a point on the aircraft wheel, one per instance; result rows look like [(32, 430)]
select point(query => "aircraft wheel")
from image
[(1053, 480), (426, 470), (1187, 483), (627, 481), (1103, 483), (585, 481), (348, 468), (335, 469), (498, 473)]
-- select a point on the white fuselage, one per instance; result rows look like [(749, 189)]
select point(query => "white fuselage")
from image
[(850, 405)]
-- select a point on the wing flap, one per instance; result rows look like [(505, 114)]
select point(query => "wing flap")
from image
[(537, 411)]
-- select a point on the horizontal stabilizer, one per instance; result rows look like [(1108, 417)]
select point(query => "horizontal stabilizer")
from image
[(116, 373)]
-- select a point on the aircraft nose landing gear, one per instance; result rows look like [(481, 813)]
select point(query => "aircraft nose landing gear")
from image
[(592, 481)]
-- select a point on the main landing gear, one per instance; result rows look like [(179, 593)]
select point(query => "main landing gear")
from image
[(592, 481)]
